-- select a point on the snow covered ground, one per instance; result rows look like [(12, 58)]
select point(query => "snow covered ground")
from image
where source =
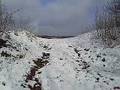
[(28, 62)]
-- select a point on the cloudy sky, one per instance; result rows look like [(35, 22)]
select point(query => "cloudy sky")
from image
[(55, 17)]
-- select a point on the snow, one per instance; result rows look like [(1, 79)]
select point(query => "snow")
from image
[(77, 63)]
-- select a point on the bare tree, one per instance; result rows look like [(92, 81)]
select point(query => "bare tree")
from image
[(108, 20), (7, 21)]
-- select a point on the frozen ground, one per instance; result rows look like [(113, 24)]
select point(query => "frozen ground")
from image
[(28, 62)]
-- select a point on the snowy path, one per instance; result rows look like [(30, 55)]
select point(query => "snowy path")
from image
[(69, 64)]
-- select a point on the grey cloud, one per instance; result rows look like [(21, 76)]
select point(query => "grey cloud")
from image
[(62, 17)]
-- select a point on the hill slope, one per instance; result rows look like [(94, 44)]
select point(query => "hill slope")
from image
[(28, 62)]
